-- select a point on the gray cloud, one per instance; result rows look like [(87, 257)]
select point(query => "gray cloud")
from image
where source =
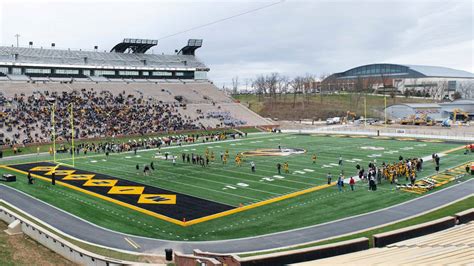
[(295, 37)]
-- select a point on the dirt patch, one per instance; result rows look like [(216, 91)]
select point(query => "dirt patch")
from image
[(22, 250)]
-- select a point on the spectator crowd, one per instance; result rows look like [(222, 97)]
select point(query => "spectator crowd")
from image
[(28, 119)]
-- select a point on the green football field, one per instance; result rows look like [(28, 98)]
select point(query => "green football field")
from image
[(236, 187)]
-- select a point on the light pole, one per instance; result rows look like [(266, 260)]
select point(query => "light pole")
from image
[(17, 37)]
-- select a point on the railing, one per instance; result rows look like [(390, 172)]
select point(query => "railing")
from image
[(389, 132)]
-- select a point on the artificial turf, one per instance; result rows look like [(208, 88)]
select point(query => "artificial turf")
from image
[(233, 185)]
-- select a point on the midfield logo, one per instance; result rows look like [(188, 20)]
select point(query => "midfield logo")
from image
[(274, 152)]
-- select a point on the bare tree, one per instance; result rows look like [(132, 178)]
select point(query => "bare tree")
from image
[(322, 79), (260, 86), (235, 85), (440, 89), (297, 84), (271, 82), (466, 89), (282, 85)]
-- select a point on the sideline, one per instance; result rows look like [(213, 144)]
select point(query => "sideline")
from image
[(87, 231)]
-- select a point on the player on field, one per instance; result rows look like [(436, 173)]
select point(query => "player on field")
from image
[(314, 157), (279, 168), (340, 160), (286, 168), (146, 170), (329, 177), (237, 160), (212, 156), (252, 166), (224, 159)]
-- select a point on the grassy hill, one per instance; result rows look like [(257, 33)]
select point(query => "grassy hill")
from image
[(285, 107)]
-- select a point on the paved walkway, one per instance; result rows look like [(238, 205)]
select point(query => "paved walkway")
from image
[(82, 229)]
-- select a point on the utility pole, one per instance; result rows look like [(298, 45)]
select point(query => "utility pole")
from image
[(17, 37)]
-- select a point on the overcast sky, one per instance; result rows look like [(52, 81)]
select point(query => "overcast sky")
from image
[(292, 37)]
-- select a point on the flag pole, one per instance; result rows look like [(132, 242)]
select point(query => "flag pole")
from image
[(72, 133), (54, 131), (365, 111)]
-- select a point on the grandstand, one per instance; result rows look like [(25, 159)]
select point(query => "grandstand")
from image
[(178, 81), (452, 246)]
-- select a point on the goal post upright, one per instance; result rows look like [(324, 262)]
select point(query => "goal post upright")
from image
[(71, 117)]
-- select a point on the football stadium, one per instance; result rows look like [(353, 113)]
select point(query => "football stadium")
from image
[(125, 157)]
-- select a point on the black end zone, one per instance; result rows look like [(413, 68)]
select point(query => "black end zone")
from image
[(160, 201)]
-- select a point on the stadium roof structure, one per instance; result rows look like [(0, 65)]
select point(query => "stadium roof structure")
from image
[(39, 57), (402, 71), (135, 46), (190, 49)]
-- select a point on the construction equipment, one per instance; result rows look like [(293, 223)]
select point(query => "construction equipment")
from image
[(457, 112), (349, 115), (408, 120), (430, 122), (421, 121), (446, 123)]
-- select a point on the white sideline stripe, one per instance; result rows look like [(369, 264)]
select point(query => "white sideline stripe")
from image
[(334, 164), (355, 159), (350, 161), (128, 157), (299, 172), (93, 161), (278, 176), (308, 170)]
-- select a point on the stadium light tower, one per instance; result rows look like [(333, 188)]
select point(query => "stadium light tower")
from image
[(17, 37)]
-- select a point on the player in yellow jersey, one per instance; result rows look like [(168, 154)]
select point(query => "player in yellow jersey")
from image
[(314, 157), (238, 160), (286, 168)]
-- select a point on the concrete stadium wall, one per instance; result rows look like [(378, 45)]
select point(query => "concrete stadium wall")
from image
[(384, 239), (225, 259), (465, 216), (308, 254), (192, 260), (382, 132), (57, 244)]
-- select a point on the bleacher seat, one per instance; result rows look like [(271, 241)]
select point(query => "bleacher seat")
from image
[(454, 246)]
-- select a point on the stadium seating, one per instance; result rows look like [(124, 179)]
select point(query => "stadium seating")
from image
[(73, 57), (196, 102), (452, 246)]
